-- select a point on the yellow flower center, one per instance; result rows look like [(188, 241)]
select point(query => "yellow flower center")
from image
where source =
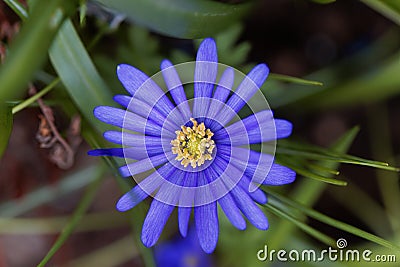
[(193, 145)]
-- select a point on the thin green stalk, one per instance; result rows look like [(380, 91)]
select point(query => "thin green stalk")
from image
[(307, 229), (332, 222), (35, 97), (290, 79), (17, 8), (72, 224)]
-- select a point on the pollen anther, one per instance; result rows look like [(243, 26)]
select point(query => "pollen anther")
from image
[(193, 145)]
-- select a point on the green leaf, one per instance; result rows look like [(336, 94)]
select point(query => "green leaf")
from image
[(6, 123), (388, 8), (79, 75), (29, 50), (181, 18)]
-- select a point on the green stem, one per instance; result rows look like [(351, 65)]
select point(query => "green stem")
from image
[(35, 97)]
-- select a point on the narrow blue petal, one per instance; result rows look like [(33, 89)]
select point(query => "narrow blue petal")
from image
[(283, 128), (136, 140), (144, 110), (204, 76), (247, 88), (127, 120), (175, 87), (145, 187), (155, 221), (114, 152), (280, 175), (184, 209), (136, 153), (232, 212), (253, 164), (257, 195), (226, 202), (139, 85), (206, 220), (130, 199), (221, 94), (254, 129), (144, 165), (130, 77), (183, 219), (123, 100), (249, 208)]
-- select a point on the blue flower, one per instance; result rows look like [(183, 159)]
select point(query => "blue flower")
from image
[(193, 154), (182, 252)]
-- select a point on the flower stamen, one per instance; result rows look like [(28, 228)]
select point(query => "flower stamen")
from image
[(193, 145)]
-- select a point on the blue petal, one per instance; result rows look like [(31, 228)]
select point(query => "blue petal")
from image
[(146, 111), (127, 120), (232, 212), (114, 152), (204, 76), (131, 78), (145, 187), (249, 208), (247, 88), (183, 219), (283, 128), (139, 85), (226, 202), (136, 153), (123, 100), (184, 212), (130, 199), (129, 139), (206, 219), (280, 175), (144, 165), (220, 95), (175, 87), (257, 195), (155, 221), (254, 129)]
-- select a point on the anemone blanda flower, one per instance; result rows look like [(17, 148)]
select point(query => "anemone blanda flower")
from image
[(194, 154)]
